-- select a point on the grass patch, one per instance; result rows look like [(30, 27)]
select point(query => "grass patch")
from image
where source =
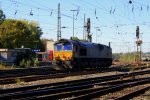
[(127, 58), (2, 67), (19, 81), (131, 68)]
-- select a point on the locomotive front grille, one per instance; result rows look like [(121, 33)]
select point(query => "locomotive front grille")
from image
[(63, 55)]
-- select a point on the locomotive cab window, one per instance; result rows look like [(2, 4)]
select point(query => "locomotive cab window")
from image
[(83, 52), (58, 47)]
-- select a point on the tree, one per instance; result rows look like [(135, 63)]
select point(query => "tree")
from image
[(17, 33), (2, 16), (77, 39)]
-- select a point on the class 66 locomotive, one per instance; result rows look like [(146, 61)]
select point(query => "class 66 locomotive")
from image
[(71, 54)]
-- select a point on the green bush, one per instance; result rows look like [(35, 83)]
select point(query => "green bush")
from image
[(22, 64), (36, 63), (13, 66), (28, 63)]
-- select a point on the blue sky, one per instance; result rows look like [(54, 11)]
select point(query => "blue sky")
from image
[(116, 19)]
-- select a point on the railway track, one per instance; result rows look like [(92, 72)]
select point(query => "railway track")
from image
[(133, 93), (40, 71), (33, 74), (11, 80), (26, 72), (77, 88), (103, 91)]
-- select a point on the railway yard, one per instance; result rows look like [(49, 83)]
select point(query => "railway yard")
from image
[(74, 50), (115, 83)]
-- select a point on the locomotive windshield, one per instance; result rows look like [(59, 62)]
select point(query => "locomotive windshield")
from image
[(67, 47), (58, 47), (63, 47)]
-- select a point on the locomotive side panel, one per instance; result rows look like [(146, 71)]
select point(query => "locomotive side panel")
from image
[(93, 56), (96, 52)]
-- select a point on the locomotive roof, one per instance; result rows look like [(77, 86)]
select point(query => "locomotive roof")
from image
[(81, 43)]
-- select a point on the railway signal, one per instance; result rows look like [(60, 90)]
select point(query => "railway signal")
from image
[(138, 43), (137, 32)]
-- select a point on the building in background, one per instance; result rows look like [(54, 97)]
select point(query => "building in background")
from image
[(8, 56), (49, 45), (12, 56), (48, 54)]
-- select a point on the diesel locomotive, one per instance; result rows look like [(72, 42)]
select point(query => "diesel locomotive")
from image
[(71, 54)]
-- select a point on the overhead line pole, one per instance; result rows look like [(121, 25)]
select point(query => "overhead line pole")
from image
[(73, 20), (59, 24), (84, 38)]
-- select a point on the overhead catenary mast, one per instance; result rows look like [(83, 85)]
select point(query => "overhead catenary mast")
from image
[(89, 36), (73, 21), (59, 24), (84, 28)]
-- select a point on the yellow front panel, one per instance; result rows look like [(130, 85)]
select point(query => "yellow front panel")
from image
[(62, 55)]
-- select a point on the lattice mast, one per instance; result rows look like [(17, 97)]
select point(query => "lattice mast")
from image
[(89, 36), (59, 24)]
